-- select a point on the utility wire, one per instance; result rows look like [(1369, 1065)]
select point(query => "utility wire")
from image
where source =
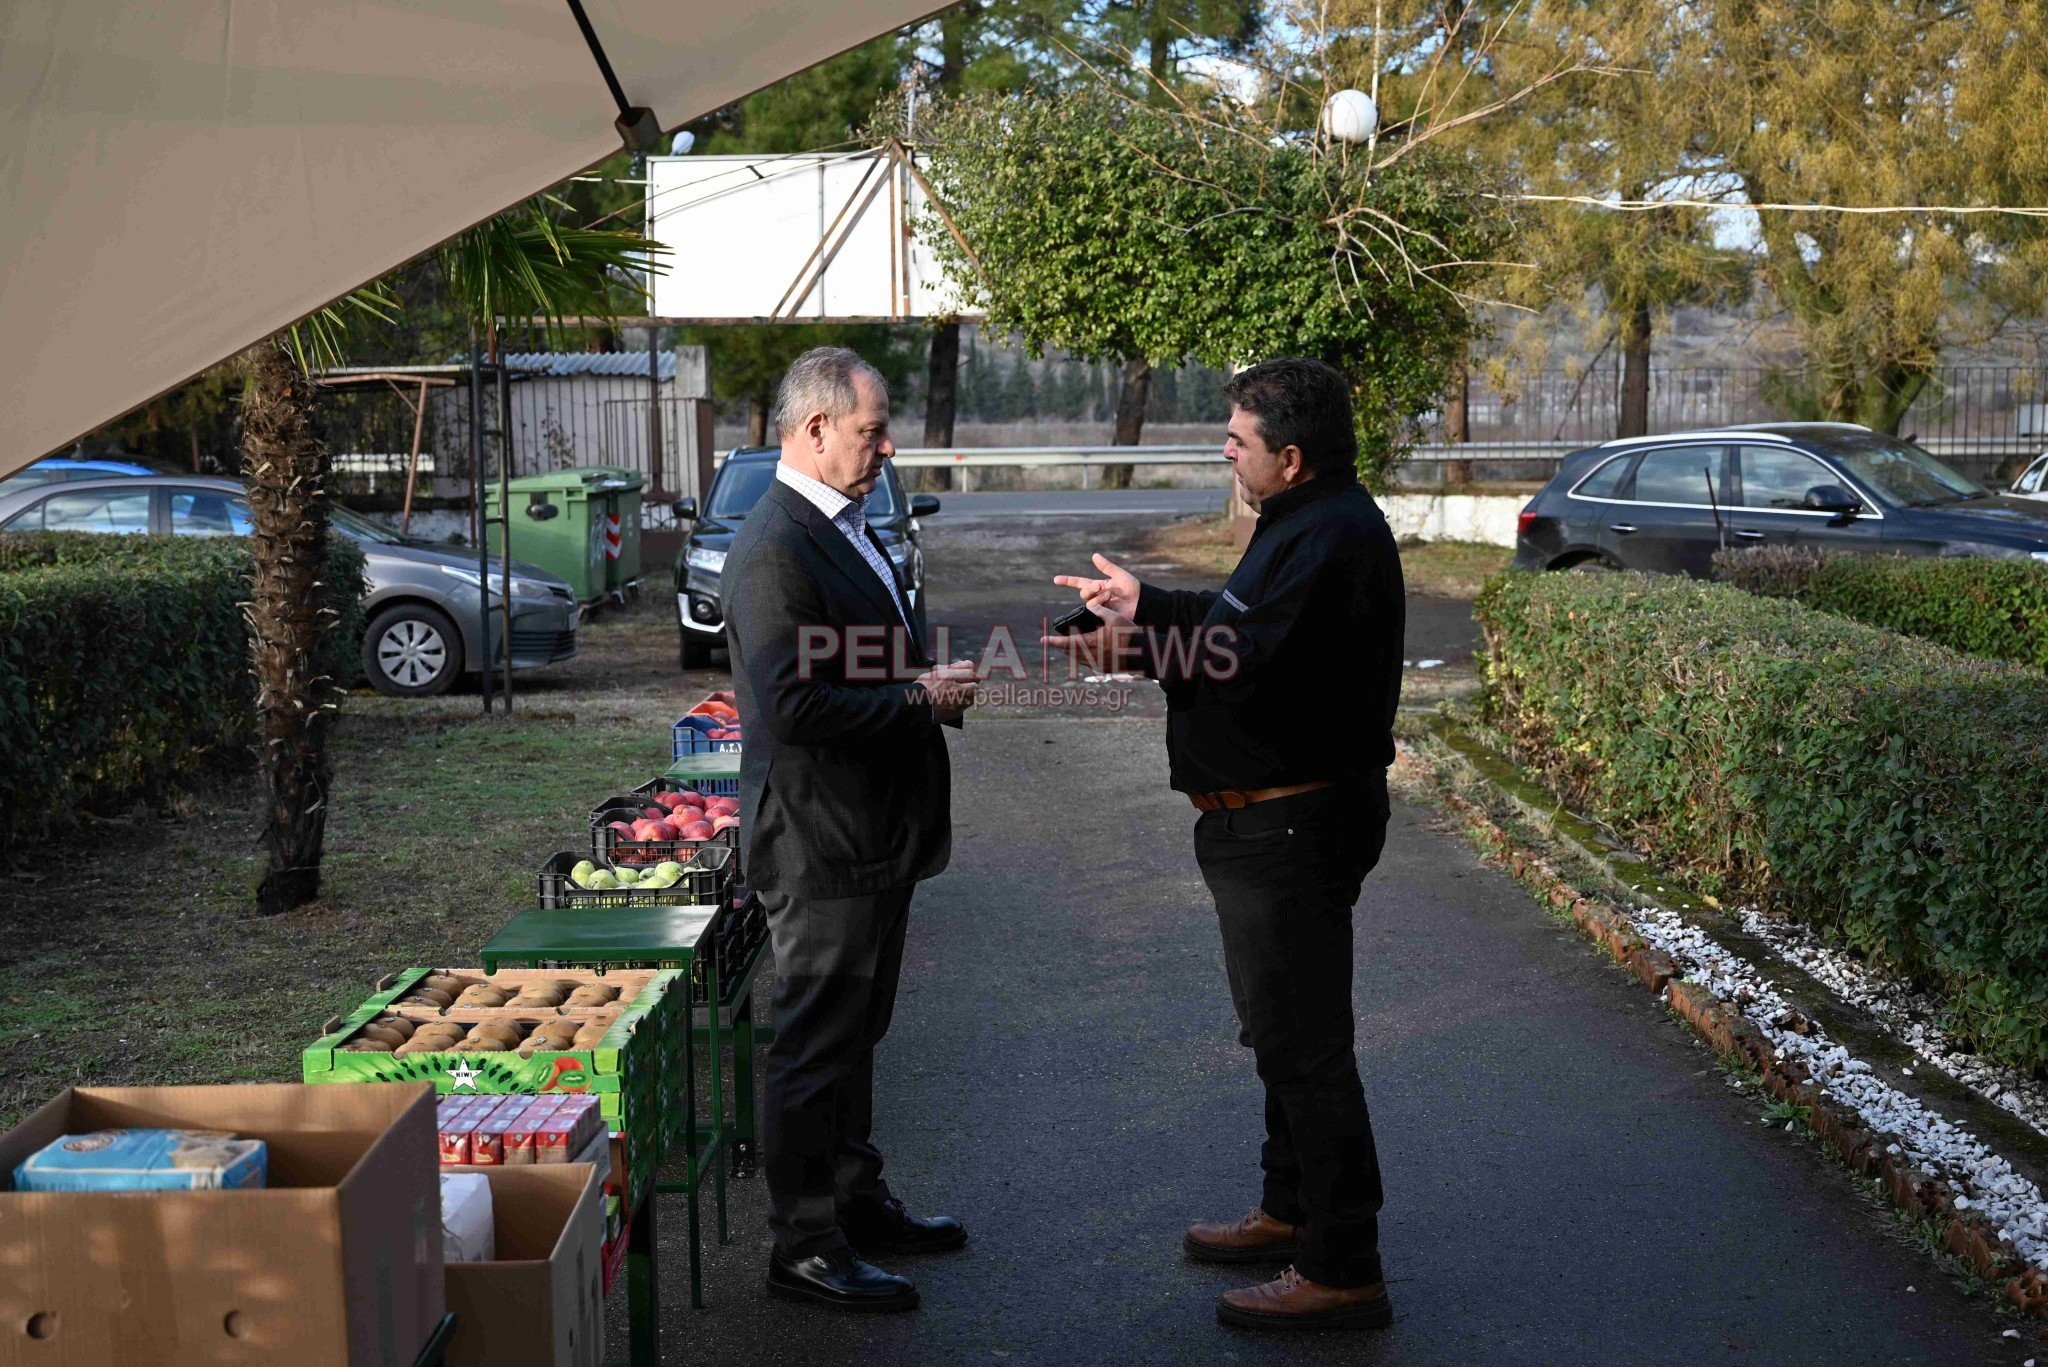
[(1645, 205)]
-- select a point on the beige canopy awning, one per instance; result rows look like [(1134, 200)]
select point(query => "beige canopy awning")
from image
[(184, 177)]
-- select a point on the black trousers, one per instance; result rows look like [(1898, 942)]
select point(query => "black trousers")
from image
[(837, 961), (1285, 875)]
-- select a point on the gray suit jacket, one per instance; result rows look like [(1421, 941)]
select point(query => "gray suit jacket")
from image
[(845, 784)]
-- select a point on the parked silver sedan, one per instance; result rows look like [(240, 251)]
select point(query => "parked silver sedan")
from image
[(425, 627)]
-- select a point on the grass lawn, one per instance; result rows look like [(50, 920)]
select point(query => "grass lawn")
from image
[(133, 955), (1436, 569)]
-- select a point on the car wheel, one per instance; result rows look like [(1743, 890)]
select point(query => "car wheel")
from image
[(412, 651), (1596, 565)]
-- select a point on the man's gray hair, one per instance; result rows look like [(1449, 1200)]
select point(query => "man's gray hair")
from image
[(821, 381)]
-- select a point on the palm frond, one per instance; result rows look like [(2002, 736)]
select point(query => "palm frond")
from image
[(527, 264), (317, 341)]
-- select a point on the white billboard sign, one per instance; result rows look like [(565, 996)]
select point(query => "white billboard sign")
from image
[(810, 237)]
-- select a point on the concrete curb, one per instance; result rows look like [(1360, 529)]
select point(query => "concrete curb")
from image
[(1918, 1194)]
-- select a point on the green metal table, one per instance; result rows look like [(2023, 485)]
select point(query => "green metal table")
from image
[(699, 769), (660, 937)]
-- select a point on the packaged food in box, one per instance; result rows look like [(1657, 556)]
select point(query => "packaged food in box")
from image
[(466, 1226), (144, 1160), (336, 1262)]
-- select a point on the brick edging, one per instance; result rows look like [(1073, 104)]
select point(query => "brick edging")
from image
[(1914, 1191)]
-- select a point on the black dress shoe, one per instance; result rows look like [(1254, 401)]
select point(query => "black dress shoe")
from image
[(889, 1228), (841, 1280)]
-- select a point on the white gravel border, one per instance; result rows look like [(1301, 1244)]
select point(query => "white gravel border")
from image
[(1909, 1015), (2013, 1205)]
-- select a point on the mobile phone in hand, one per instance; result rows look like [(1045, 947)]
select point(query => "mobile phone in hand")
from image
[(1076, 623)]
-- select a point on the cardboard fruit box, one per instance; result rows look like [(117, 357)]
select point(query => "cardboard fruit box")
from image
[(336, 1262), (541, 1300), (635, 1070)]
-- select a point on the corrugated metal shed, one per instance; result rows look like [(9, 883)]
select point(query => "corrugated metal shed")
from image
[(567, 363)]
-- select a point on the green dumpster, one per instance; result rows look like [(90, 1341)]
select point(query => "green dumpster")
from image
[(570, 540), (622, 493)]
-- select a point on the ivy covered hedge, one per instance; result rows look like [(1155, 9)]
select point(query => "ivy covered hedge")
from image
[(1997, 608), (124, 665), (1883, 789)]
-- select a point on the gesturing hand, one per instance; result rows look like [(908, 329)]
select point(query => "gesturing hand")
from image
[(1109, 649), (1113, 595), (951, 689)]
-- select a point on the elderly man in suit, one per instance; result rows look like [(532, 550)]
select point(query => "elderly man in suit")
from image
[(845, 797)]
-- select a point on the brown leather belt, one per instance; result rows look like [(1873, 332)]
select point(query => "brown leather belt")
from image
[(1234, 798)]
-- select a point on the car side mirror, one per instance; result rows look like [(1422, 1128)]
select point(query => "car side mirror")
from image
[(923, 505), (1831, 498), (685, 509)]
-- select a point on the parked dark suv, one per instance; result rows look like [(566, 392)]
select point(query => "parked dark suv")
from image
[(1666, 503), (741, 480)]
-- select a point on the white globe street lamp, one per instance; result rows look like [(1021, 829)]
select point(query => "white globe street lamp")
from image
[(1350, 116)]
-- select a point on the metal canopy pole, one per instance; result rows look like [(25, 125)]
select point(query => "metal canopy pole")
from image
[(505, 512), (654, 409), (476, 482)]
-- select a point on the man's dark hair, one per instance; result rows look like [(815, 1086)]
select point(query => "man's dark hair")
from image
[(1300, 402)]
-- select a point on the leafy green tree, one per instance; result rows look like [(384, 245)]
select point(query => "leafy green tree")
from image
[(747, 362), (1109, 227), (1904, 102)]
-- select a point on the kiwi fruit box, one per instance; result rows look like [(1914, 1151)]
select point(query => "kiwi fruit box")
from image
[(633, 1065)]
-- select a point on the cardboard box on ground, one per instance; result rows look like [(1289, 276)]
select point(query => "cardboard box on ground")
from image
[(542, 1299), (337, 1262)]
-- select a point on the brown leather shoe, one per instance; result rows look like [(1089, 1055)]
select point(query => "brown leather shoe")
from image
[(1292, 1301), (1257, 1238)]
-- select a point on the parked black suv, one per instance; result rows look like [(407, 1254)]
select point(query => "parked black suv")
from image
[(741, 480), (1666, 503)]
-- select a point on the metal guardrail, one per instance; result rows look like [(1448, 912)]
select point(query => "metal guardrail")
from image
[(968, 459)]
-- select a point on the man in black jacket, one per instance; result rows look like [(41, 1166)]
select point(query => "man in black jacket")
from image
[(845, 804), (1281, 690)]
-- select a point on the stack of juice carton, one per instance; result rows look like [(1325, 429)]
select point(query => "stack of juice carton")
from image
[(491, 1130)]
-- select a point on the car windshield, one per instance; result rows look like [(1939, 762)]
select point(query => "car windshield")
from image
[(1902, 470), (742, 482), (356, 527)]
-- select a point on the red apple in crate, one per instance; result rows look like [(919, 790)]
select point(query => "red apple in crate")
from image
[(654, 813), (723, 822), (669, 801), (667, 830), (622, 829), (698, 830)]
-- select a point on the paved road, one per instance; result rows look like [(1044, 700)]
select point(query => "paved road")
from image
[(990, 570), (1570, 1180)]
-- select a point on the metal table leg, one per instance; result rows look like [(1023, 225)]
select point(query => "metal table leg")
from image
[(743, 1087), (712, 1015), (643, 1286)]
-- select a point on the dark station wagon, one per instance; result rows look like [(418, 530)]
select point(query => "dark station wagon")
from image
[(1667, 503)]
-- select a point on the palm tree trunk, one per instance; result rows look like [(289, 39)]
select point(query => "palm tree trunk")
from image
[(1130, 417), (286, 469)]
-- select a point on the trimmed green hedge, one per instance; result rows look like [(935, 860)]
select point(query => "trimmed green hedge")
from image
[(124, 665), (1882, 788), (1997, 608)]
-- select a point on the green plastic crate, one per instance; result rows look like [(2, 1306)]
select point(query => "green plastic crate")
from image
[(635, 1071)]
